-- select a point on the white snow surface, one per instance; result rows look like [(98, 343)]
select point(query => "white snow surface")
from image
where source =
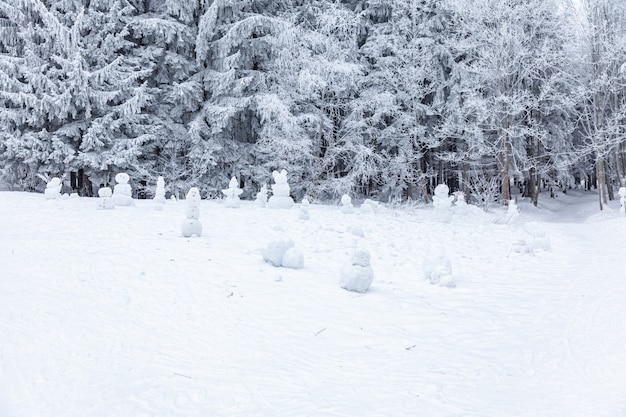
[(114, 314)]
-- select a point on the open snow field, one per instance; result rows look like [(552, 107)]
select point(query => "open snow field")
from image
[(112, 313)]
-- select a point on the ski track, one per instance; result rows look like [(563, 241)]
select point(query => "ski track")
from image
[(143, 322)]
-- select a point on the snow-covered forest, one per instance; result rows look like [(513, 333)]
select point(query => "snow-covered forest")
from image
[(379, 98)]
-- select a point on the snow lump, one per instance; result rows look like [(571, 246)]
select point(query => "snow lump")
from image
[(282, 252)]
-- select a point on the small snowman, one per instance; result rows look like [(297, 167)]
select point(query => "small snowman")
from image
[(53, 189), (261, 196), (280, 191), (232, 194), (346, 204), (441, 200), (304, 210), (357, 275), (159, 193), (105, 202), (122, 193), (191, 225)]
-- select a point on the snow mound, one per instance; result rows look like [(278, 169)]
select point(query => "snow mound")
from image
[(283, 253), (293, 258), (438, 270)]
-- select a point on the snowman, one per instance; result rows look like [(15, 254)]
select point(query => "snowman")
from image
[(53, 189), (122, 193), (304, 210), (346, 204), (232, 194), (191, 225), (280, 191), (357, 274), (441, 200), (159, 193), (105, 202), (261, 196)]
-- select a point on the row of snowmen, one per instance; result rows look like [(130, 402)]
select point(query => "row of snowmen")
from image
[(356, 275)]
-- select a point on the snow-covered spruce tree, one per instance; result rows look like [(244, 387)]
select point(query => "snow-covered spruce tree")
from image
[(402, 97), (165, 33), (74, 92), (245, 124)]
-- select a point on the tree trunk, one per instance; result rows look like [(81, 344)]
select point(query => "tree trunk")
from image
[(505, 186), (620, 164), (601, 181)]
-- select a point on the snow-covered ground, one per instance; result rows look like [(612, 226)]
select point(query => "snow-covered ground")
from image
[(112, 313)]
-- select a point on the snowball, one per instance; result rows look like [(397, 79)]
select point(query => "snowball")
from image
[(447, 281), (105, 204), (278, 202), (274, 251), (192, 212), (293, 258), (191, 227), (442, 191), (361, 257), (122, 178), (105, 192)]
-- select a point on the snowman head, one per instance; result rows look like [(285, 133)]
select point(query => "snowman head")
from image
[(105, 192), (54, 182), (160, 182), (233, 183), (442, 191), (361, 257), (280, 177), (193, 194), (345, 199), (122, 178)]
